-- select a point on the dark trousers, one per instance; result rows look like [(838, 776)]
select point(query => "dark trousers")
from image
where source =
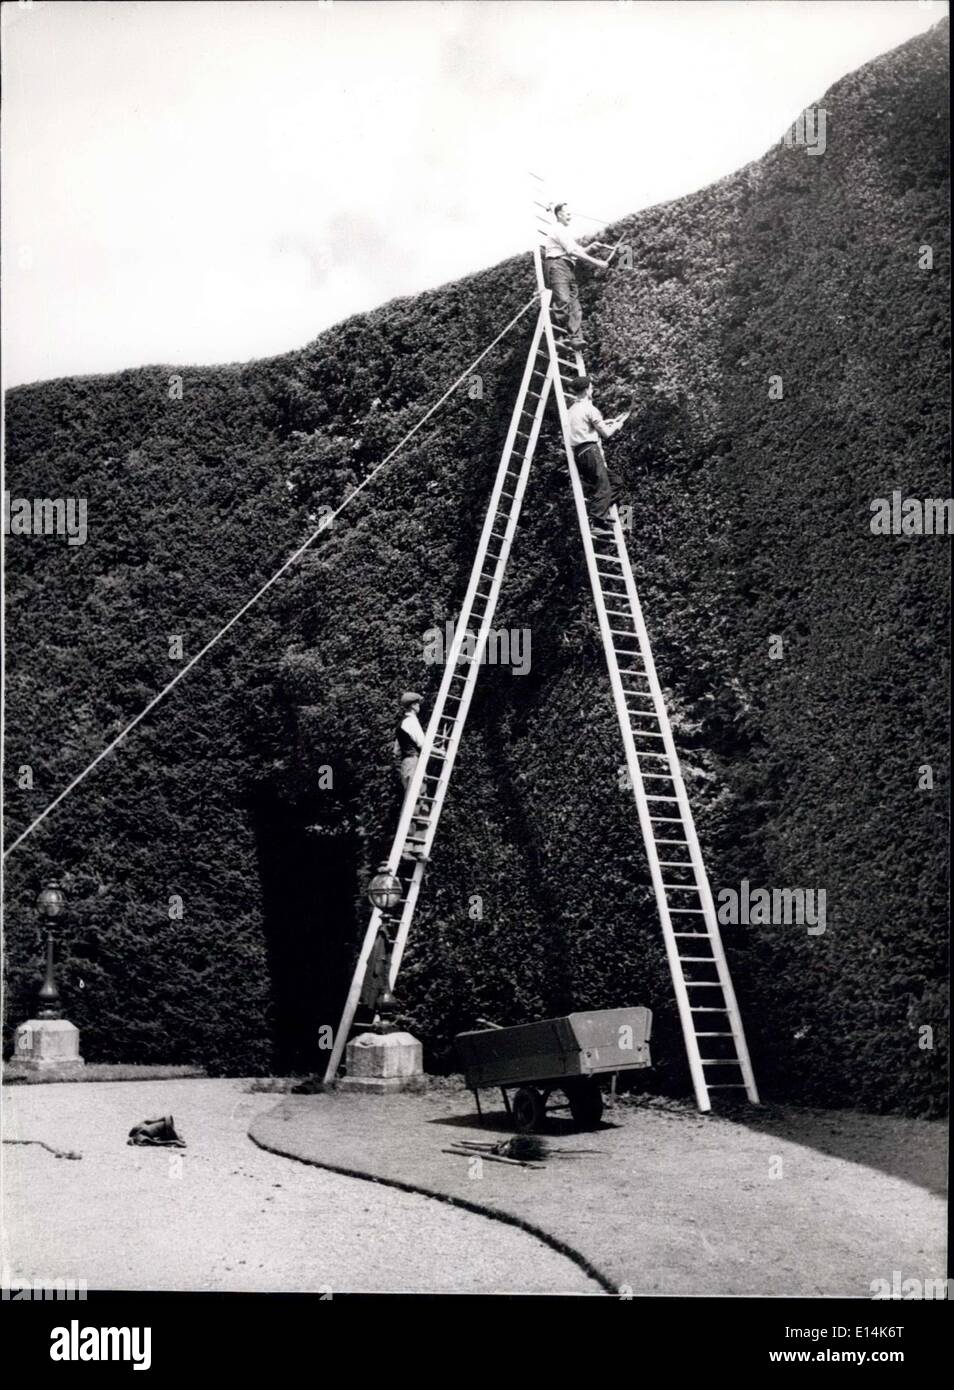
[(559, 277), (604, 486)]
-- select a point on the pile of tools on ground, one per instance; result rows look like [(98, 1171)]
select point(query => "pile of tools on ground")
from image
[(521, 1151)]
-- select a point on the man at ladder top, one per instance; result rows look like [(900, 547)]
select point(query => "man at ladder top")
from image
[(587, 428), (560, 251), (408, 742)]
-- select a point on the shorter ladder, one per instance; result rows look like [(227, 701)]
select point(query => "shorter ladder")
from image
[(424, 800)]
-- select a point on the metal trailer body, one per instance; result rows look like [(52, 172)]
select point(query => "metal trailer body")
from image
[(568, 1054)]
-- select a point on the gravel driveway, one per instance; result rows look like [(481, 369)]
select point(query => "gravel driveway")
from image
[(223, 1214)]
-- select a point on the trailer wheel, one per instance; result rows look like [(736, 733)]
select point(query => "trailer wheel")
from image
[(528, 1110), (586, 1102)]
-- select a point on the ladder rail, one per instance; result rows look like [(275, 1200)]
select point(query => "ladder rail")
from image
[(629, 745), (692, 839), (476, 659), (412, 795), (538, 200)]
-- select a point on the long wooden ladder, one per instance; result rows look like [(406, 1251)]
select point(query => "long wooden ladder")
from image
[(708, 1010), (424, 800)]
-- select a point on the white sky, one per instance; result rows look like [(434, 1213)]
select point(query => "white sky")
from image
[(210, 182)]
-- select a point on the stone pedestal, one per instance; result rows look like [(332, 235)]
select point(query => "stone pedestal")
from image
[(379, 1063), (47, 1044)]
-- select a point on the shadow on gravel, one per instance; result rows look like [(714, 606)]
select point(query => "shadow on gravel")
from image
[(499, 1122), (913, 1150)]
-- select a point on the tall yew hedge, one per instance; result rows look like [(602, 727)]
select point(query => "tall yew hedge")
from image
[(215, 861)]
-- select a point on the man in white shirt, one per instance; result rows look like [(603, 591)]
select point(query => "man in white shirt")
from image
[(560, 254), (408, 742), (587, 427)]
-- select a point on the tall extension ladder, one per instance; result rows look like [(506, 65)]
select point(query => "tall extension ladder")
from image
[(708, 1010)]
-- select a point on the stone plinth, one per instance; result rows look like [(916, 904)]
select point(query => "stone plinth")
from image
[(47, 1044), (383, 1062)]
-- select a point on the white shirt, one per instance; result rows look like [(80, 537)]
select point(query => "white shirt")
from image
[(581, 418), (412, 726), (560, 242)]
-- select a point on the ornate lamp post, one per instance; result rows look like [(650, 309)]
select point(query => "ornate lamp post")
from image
[(385, 892), (383, 1059), (49, 1040), (50, 904)]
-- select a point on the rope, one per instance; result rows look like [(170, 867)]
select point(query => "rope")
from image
[(57, 1153), (325, 524)]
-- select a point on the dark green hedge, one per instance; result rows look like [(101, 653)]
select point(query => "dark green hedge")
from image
[(750, 519)]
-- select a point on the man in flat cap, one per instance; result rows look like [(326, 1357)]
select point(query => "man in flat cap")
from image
[(587, 428), (408, 742)]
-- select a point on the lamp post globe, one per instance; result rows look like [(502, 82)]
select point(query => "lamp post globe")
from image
[(385, 890), (51, 900)]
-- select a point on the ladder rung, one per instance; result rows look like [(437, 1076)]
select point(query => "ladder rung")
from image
[(694, 935), (720, 1061), (698, 960), (706, 1009), (645, 733), (714, 1035), (702, 984), (727, 1085), (662, 798), (687, 912), (674, 863)]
